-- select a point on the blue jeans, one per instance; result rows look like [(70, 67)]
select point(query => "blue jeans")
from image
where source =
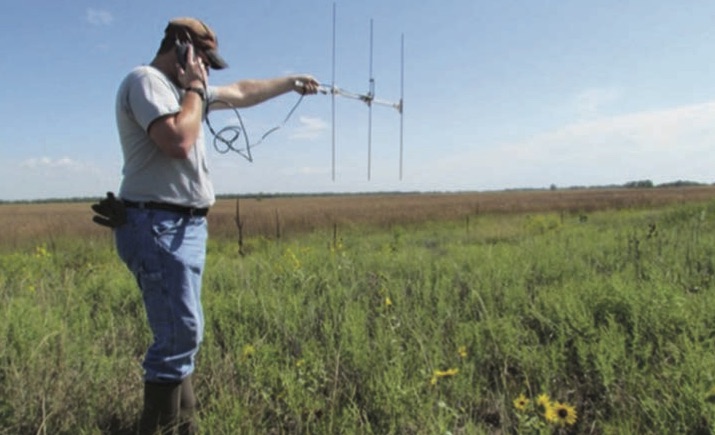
[(166, 252)]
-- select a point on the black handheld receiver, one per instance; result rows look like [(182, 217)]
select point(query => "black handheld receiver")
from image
[(182, 50)]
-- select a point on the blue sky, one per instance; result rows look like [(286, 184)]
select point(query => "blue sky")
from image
[(498, 94)]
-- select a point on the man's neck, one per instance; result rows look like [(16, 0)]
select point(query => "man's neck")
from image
[(166, 64)]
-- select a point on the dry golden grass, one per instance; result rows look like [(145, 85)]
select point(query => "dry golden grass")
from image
[(268, 217), (285, 216)]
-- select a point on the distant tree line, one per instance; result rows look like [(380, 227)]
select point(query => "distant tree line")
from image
[(639, 184)]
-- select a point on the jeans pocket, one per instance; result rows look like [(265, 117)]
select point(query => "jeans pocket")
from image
[(169, 231)]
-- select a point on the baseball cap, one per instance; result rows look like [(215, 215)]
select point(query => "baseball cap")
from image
[(202, 36)]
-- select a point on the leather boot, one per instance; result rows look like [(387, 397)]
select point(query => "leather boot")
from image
[(161, 408), (188, 424)]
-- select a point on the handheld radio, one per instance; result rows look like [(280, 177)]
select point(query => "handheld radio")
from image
[(182, 49)]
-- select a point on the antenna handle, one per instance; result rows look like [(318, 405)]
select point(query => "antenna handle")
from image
[(321, 88)]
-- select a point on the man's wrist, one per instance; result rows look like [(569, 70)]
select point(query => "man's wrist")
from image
[(196, 83), (198, 90)]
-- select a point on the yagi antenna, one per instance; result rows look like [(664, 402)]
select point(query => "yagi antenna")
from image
[(368, 98)]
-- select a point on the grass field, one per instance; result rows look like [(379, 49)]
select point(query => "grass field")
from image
[(414, 314)]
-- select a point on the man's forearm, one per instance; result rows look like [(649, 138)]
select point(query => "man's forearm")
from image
[(250, 92)]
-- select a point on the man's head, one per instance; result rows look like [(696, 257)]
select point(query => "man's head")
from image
[(200, 35)]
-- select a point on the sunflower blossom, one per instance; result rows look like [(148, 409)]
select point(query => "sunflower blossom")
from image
[(521, 402), (562, 414)]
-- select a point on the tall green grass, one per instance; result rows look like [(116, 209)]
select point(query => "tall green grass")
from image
[(427, 329)]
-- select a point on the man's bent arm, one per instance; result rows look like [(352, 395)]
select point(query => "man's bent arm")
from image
[(176, 134)]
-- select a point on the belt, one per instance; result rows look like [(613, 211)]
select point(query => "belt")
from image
[(191, 211)]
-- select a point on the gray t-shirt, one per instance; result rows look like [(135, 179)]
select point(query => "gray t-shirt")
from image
[(144, 96)]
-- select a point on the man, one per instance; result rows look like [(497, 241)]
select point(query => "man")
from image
[(160, 219)]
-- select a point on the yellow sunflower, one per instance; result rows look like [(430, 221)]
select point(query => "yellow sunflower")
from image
[(521, 402), (562, 414)]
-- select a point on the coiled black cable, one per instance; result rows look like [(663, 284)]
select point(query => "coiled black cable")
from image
[(225, 138)]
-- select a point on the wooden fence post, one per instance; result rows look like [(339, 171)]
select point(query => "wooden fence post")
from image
[(239, 225), (335, 236), (278, 226)]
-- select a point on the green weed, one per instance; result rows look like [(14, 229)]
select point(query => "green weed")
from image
[(417, 329)]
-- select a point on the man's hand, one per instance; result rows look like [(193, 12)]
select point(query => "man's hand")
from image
[(195, 73), (112, 212), (305, 84)]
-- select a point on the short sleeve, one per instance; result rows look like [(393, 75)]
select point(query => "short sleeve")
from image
[(151, 97)]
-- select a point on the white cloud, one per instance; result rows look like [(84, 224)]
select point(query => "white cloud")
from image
[(662, 145), (311, 170), (62, 177), (649, 131), (62, 163), (97, 17), (310, 128), (590, 101)]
